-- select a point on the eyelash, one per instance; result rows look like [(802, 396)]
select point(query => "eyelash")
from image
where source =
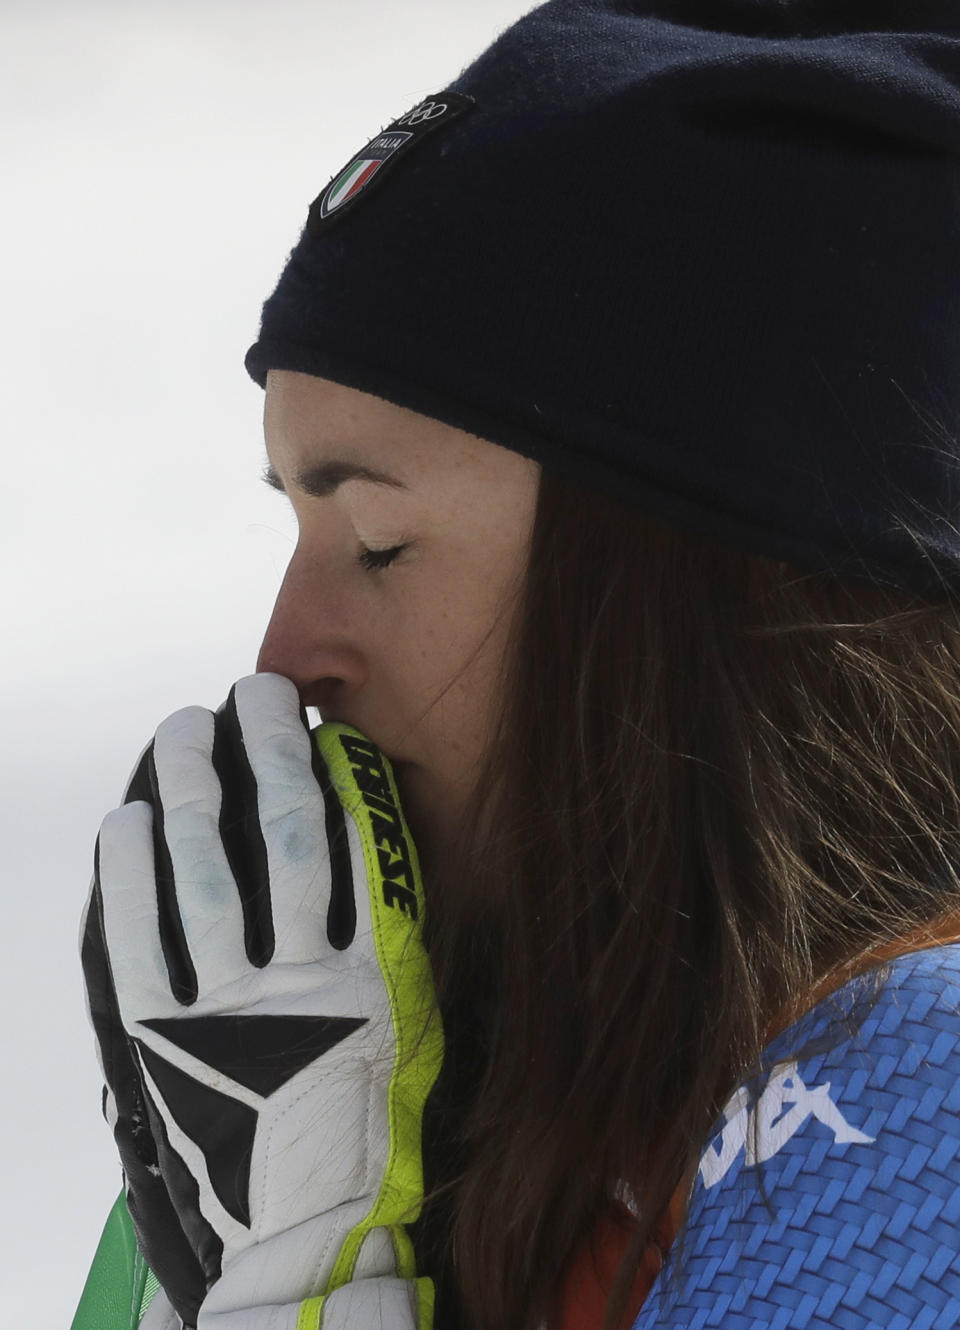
[(374, 560)]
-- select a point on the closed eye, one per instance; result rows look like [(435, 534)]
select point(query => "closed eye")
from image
[(376, 559)]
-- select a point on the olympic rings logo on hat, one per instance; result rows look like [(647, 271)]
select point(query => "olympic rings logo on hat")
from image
[(425, 111)]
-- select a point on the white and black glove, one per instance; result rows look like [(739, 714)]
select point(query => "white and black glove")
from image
[(265, 1018)]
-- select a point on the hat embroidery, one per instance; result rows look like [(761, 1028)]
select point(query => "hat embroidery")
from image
[(389, 145)]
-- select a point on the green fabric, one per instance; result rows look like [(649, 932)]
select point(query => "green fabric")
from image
[(120, 1285)]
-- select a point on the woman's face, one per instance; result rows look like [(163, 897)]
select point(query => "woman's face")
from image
[(404, 645)]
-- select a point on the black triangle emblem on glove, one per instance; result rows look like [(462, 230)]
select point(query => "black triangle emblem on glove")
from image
[(260, 1052), (222, 1127)]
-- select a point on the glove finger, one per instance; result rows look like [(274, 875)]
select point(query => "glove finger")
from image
[(292, 815), (131, 929), (206, 894), (160, 1234), (122, 1096), (241, 832), (182, 976), (112, 1046)]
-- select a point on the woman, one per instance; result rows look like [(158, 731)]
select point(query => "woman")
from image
[(649, 591)]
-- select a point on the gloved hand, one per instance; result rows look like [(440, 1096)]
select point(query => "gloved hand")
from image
[(265, 1016)]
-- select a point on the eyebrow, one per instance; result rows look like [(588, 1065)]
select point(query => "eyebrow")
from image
[(324, 478)]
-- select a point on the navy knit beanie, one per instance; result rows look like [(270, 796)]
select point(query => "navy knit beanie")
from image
[(703, 255)]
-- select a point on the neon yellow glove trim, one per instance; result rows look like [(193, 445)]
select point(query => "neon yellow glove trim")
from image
[(364, 780), (311, 1311), (311, 1314)]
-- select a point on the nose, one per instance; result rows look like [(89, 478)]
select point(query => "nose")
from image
[(311, 638)]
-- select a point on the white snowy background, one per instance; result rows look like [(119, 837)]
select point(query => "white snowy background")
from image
[(157, 160)]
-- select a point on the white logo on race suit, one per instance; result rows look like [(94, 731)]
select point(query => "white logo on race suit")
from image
[(425, 111), (780, 1112)]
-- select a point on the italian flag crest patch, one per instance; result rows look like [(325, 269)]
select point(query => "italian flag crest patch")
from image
[(360, 172), (381, 154)]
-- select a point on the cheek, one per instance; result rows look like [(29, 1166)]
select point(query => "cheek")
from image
[(453, 656)]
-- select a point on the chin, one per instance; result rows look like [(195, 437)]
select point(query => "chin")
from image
[(407, 783), (419, 810)]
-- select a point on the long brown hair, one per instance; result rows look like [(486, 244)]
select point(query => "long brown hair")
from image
[(714, 779)]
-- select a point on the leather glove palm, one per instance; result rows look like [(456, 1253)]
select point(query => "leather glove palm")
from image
[(264, 1010)]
